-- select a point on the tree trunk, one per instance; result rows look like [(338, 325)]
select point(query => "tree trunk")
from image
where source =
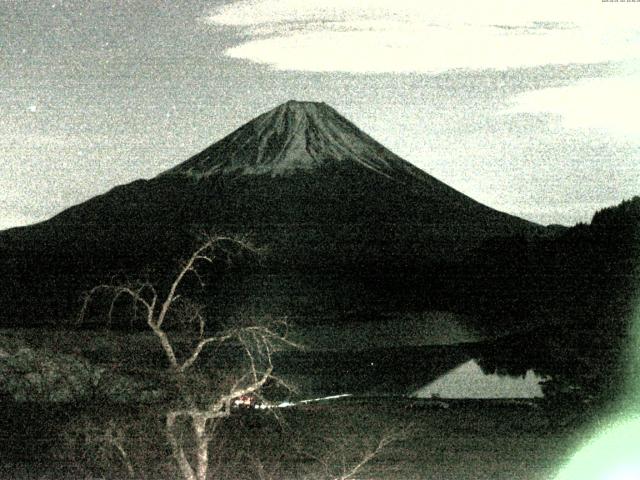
[(202, 446), (178, 451)]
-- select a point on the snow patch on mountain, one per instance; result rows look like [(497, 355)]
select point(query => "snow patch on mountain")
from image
[(295, 136)]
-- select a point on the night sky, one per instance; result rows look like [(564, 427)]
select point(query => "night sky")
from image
[(529, 107)]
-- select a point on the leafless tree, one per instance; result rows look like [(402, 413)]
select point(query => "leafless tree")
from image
[(201, 406), (110, 442), (346, 458), (258, 342)]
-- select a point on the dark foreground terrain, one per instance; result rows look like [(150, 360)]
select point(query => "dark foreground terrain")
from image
[(430, 440), (90, 404)]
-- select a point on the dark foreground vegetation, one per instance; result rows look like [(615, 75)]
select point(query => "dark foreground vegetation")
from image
[(96, 408), (427, 440)]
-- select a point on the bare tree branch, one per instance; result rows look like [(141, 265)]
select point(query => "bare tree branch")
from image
[(198, 349), (178, 450), (384, 441), (205, 252), (257, 342)]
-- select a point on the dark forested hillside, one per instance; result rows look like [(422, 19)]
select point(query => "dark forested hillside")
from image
[(570, 298)]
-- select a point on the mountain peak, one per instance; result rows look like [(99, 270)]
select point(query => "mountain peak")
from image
[(292, 137), (301, 104), (304, 106)]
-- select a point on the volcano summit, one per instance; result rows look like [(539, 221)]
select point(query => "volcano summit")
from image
[(296, 136)]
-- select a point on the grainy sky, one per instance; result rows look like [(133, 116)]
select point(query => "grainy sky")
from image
[(527, 106)]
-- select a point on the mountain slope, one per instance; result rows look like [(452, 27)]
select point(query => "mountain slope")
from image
[(348, 223), (292, 137)]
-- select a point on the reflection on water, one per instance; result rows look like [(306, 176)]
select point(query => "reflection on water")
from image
[(469, 381)]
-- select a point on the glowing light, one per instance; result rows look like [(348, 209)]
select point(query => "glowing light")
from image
[(614, 455)]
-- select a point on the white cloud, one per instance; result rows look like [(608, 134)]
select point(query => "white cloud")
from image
[(429, 36), (509, 12), (607, 104)]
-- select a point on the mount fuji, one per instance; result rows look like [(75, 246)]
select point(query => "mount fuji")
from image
[(346, 221)]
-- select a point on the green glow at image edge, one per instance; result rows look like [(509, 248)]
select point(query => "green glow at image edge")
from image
[(614, 452), (613, 455)]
